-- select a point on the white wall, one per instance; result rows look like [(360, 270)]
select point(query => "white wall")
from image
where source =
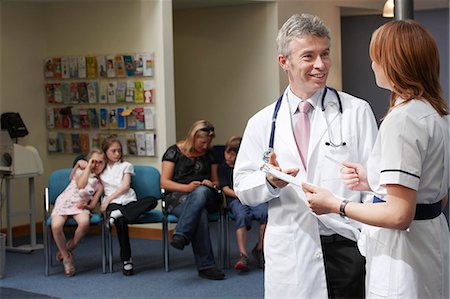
[(33, 31), (23, 48), (225, 66)]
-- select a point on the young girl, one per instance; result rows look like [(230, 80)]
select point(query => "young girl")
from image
[(77, 200), (120, 200)]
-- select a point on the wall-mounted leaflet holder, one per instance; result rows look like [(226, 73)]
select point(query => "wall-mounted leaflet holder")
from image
[(13, 123)]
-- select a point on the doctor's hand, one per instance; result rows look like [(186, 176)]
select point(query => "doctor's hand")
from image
[(276, 182), (355, 176), (320, 200)]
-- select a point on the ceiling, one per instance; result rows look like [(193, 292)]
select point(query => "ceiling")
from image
[(348, 7)]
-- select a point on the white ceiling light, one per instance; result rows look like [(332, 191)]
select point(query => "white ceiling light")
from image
[(388, 9)]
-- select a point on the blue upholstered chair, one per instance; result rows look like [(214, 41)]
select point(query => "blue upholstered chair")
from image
[(145, 182), (212, 217), (218, 217), (57, 182)]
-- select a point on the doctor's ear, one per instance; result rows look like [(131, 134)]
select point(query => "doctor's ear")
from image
[(282, 61)]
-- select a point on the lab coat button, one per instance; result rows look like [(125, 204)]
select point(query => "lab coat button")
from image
[(318, 255)]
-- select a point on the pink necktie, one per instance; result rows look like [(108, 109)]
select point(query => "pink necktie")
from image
[(302, 130)]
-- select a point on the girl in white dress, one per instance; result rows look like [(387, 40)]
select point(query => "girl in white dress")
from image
[(120, 201), (406, 241)]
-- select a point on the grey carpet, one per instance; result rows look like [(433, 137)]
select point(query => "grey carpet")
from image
[(25, 272), (9, 293)]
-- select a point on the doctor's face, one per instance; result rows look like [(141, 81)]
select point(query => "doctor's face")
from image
[(307, 65)]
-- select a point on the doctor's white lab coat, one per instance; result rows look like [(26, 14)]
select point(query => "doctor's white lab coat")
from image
[(294, 263)]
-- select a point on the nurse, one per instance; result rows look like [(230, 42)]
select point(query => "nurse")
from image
[(406, 241), (304, 257)]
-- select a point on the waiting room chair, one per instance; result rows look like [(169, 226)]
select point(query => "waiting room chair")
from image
[(57, 182), (145, 182), (212, 217)]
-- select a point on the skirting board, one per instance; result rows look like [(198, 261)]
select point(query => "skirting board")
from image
[(143, 231)]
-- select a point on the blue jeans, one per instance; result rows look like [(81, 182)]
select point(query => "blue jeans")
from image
[(193, 223), (243, 215)]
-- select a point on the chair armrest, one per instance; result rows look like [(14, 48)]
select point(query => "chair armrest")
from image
[(222, 202), (47, 206), (163, 202)]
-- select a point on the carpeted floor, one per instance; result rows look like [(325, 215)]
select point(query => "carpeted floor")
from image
[(25, 272), (19, 294)]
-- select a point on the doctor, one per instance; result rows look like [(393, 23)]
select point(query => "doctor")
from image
[(342, 128)]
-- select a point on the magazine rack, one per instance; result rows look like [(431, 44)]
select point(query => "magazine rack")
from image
[(91, 97)]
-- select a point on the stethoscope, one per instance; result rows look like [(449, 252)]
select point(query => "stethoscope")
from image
[(330, 142)]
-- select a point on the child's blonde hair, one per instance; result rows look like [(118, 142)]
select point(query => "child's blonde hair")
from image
[(233, 144), (96, 151)]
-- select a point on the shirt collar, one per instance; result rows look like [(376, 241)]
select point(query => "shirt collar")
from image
[(399, 101), (293, 100)]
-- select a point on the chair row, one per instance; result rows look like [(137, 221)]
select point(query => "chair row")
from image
[(145, 182)]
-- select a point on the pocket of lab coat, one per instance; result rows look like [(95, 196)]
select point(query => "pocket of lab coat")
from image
[(348, 153), (280, 256)]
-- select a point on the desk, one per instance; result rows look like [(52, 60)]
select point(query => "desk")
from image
[(31, 212)]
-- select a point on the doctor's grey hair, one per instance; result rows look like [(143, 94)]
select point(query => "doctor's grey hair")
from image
[(297, 26)]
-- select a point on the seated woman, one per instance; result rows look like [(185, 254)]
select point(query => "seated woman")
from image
[(189, 175)]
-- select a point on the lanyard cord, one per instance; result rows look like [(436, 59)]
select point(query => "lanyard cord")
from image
[(274, 120)]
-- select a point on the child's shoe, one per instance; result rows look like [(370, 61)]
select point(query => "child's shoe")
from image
[(258, 254), (127, 269), (69, 267), (242, 263)]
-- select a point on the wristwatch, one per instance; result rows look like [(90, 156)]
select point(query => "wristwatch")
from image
[(342, 207)]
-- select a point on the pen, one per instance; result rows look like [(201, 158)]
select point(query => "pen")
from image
[(333, 160), (338, 163)]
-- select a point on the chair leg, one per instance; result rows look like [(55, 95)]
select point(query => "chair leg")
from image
[(46, 247), (103, 248), (166, 245), (228, 241), (110, 252), (220, 242)]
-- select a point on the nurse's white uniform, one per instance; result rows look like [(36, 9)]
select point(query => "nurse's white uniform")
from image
[(412, 150)]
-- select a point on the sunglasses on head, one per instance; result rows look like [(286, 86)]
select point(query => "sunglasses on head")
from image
[(209, 130)]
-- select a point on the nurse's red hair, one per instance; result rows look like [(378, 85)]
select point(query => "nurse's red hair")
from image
[(409, 57)]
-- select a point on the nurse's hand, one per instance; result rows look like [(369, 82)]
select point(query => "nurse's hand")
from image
[(320, 200), (276, 182), (354, 176)]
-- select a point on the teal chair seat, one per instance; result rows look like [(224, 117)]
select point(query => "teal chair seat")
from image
[(153, 216), (96, 219)]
